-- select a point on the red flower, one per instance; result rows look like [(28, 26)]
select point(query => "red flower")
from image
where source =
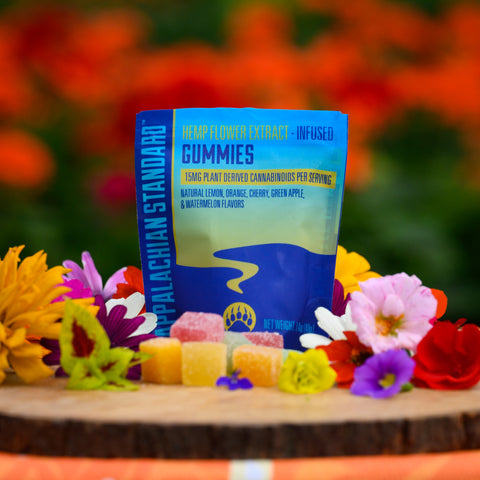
[(345, 356), (448, 357), (134, 279)]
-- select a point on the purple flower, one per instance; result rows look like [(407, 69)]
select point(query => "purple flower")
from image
[(339, 301), (383, 375), (233, 382), (120, 329), (90, 277)]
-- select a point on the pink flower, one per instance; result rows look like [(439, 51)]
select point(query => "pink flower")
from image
[(90, 277), (392, 312)]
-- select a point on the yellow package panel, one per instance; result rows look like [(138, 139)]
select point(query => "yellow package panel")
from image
[(292, 176)]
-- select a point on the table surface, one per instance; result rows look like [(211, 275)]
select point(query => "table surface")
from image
[(199, 422)]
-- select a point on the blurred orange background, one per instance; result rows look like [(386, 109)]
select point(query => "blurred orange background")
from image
[(407, 73)]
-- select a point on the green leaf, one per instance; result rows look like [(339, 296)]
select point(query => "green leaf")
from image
[(82, 337), (81, 378), (86, 355), (407, 387)]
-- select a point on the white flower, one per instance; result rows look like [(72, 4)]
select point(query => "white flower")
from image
[(334, 326), (134, 304)]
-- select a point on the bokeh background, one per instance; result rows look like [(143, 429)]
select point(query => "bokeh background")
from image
[(74, 74)]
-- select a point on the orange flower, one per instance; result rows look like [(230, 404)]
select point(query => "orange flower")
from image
[(258, 25), (359, 164), (441, 302), (264, 64), (462, 21), (181, 76), (379, 24), (16, 92), (448, 88), (25, 161), (82, 56)]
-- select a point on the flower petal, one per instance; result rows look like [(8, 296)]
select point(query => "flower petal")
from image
[(76, 272), (330, 323), (312, 340), (30, 368), (94, 280), (346, 320), (148, 326), (369, 377), (135, 304), (393, 306), (112, 282), (223, 382), (441, 302)]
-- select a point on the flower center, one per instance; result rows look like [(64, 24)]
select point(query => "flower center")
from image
[(387, 381), (358, 357), (301, 375), (388, 325)]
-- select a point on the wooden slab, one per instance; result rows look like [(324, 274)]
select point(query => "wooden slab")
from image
[(196, 422)]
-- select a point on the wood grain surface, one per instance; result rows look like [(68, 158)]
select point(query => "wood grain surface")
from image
[(199, 422)]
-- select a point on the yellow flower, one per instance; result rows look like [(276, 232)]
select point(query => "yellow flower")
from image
[(350, 269), (26, 292), (307, 372)]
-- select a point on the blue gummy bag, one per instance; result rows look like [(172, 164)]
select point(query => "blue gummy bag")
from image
[(239, 213)]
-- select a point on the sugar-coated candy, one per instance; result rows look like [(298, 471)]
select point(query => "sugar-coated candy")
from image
[(165, 366), (198, 327), (267, 339), (203, 363), (233, 340), (261, 365)]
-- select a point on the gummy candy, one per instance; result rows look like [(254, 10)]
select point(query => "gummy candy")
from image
[(166, 364), (203, 363), (267, 339), (233, 340), (261, 365), (198, 327)]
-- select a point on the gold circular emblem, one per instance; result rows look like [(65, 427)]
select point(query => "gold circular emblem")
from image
[(241, 314)]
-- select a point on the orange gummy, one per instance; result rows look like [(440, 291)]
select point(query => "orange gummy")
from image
[(166, 364), (261, 365)]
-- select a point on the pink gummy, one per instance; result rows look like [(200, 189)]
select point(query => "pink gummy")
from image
[(198, 327), (266, 339)]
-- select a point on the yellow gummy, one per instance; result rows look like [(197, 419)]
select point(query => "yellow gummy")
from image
[(203, 363), (261, 365), (166, 364)]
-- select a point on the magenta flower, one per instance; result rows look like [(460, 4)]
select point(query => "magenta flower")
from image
[(90, 277), (78, 290), (392, 312), (339, 301), (383, 375)]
